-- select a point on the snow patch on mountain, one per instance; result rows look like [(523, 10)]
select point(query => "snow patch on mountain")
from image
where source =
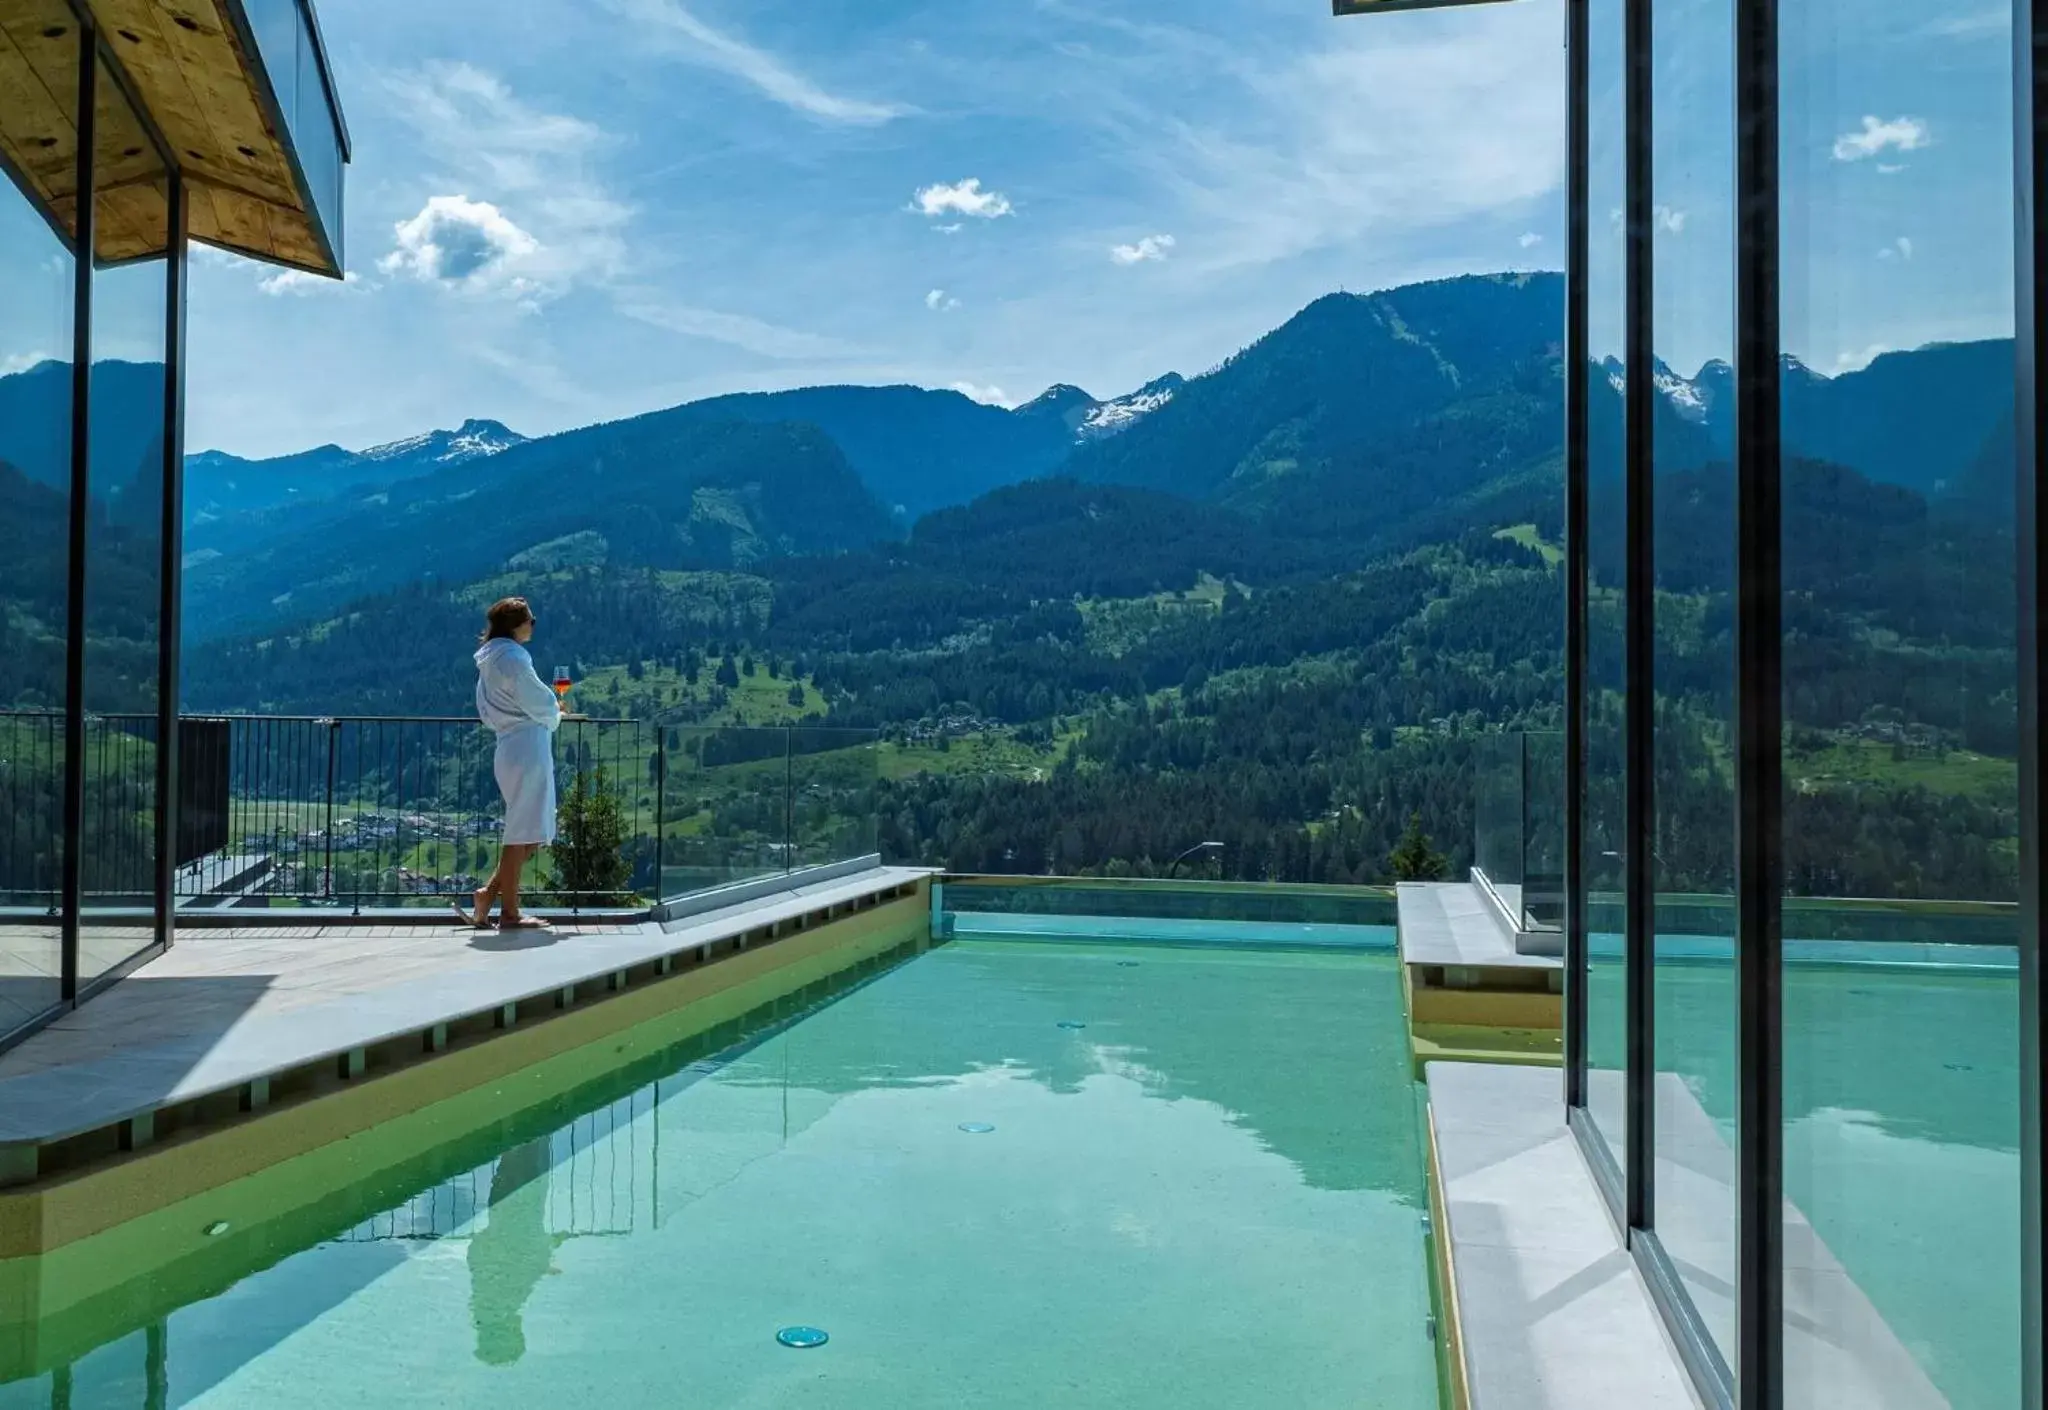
[(1114, 417), (473, 440)]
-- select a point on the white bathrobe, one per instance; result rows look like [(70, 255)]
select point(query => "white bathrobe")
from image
[(523, 713)]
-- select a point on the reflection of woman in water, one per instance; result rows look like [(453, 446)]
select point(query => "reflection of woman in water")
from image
[(511, 1253)]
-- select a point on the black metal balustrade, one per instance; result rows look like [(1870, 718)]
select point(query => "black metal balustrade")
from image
[(402, 810)]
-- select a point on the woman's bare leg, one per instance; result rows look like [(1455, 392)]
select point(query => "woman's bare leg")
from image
[(509, 868), (510, 859)]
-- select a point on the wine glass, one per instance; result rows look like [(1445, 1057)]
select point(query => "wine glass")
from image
[(562, 684)]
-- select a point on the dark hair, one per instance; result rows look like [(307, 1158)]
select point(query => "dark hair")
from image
[(506, 616)]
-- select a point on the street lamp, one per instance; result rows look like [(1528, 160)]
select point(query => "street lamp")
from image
[(1198, 847)]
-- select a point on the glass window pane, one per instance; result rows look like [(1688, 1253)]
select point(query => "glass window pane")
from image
[(123, 540), (36, 271), (1607, 516), (1693, 160), (1900, 1085), (277, 26), (319, 146)]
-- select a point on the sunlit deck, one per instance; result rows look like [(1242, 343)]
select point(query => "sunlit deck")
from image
[(230, 1019)]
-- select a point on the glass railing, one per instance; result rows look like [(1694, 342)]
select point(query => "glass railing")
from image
[(287, 40), (1183, 912), (376, 812), (743, 803), (1518, 798)]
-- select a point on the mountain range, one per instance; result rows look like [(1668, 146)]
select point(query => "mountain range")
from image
[(218, 484), (1272, 605), (1919, 419), (1365, 424)]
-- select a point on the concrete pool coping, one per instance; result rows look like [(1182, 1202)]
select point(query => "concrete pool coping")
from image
[(230, 1019)]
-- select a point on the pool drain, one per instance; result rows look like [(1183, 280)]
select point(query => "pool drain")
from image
[(976, 1128), (802, 1338)]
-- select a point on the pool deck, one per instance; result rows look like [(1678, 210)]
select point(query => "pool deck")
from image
[(1551, 1311), (224, 1013)]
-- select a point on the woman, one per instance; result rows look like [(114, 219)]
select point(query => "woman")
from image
[(524, 714)]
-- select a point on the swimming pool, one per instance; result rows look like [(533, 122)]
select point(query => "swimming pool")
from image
[(1199, 1184)]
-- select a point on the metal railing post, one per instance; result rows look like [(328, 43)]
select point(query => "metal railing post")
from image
[(333, 759), (660, 805), (1522, 823)]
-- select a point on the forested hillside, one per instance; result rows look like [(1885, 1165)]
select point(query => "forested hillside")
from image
[(1278, 606)]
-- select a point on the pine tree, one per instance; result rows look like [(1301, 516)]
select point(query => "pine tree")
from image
[(590, 852), (1415, 857)]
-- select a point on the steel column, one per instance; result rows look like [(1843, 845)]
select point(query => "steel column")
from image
[(170, 565), (72, 884), (2030, 271), (1639, 828), (1759, 722), (1577, 375)]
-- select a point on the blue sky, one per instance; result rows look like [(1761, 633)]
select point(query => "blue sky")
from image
[(562, 211)]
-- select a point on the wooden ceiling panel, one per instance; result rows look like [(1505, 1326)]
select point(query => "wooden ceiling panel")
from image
[(209, 109), (187, 67), (130, 221), (39, 98)]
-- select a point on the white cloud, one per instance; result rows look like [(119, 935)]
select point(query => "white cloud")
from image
[(1890, 168), (736, 330), (1856, 361), (1372, 135), (988, 396), (1152, 247), (297, 281), (1995, 23), (961, 198), (22, 362), (1529, 240), (1899, 134), (1669, 220), (454, 240), (939, 301), (537, 169), (698, 43), (1901, 248), (954, 229)]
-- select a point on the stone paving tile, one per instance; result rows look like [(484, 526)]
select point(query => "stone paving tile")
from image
[(222, 1006)]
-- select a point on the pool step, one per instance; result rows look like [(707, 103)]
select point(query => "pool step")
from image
[(1472, 996)]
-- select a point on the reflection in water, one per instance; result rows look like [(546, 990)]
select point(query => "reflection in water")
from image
[(510, 1255), (1223, 1159)]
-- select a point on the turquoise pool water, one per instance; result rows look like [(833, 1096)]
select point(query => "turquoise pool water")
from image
[(1204, 1190)]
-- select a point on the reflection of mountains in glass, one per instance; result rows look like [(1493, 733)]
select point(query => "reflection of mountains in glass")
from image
[(1921, 1054), (122, 588)]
